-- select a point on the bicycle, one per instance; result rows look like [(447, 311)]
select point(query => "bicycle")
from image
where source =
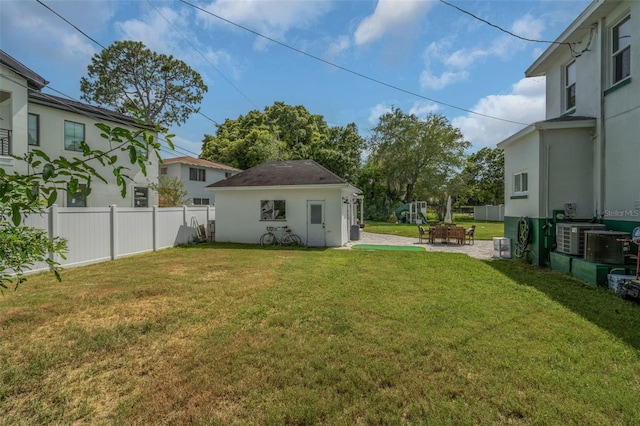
[(280, 235)]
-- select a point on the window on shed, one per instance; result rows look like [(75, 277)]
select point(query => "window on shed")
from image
[(273, 210)]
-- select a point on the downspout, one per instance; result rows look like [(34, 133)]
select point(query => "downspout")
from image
[(600, 126)]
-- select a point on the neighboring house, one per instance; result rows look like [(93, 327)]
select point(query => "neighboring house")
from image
[(30, 119), (313, 202), (585, 157), (196, 175)]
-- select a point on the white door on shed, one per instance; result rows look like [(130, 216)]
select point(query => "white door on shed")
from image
[(315, 224)]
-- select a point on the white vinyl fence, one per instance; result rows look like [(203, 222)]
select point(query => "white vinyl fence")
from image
[(490, 213), (95, 234)]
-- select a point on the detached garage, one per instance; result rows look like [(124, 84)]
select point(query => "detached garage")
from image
[(313, 202)]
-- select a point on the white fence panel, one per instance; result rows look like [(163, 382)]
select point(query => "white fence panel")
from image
[(134, 230), (87, 232), (171, 228), (489, 213), (96, 234), (38, 221)]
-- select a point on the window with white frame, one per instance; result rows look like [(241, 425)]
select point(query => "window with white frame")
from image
[(621, 50), (163, 171), (197, 174), (73, 135), (521, 183), (570, 86), (273, 210), (34, 129), (200, 201)]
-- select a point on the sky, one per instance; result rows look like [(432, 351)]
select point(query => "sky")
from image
[(349, 61)]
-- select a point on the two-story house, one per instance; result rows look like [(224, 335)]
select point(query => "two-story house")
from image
[(31, 119), (196, 174), (583, 161)]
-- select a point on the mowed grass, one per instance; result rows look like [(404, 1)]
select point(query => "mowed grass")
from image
[(232, 334), (484, 230)]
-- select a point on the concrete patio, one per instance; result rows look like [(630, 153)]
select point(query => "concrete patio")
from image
[(479, 250)]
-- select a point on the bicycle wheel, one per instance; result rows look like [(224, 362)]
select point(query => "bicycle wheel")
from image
[(286, 240), (297, 241), (267, 239)]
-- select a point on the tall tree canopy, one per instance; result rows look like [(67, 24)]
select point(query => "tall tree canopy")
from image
[(412, 153), (285, 132), (482, 179), (128, 75)]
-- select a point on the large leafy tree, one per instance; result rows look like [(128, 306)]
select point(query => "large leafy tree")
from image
[(482, 179), (22, 246), (416, 155), (128, 75), (285, 132)]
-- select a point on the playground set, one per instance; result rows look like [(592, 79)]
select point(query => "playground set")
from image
[(414, 212)]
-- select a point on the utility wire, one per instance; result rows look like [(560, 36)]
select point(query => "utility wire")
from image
[(466, 12), (101, 110), (203, 56), (356, 73), (65, 20)]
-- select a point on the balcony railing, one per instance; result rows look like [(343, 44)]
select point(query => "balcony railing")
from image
[(5, 142)]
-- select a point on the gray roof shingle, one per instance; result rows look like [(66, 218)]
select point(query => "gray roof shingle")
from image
[(282, 173)]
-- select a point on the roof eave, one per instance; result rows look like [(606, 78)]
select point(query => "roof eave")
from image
[(547, 125), (572, 34)]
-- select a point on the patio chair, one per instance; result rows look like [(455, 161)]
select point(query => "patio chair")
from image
[(438, 232), (456, 234), (469, 237), (422, 234)]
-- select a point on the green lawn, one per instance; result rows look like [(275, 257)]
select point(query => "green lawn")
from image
[(484, 230), (234, 334)]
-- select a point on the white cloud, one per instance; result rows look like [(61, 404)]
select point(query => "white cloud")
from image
[(525, 103), (376, 112), (430, 81), (337, 47), (422, 109), (391, 17), (154, 31), (270, 18), (455, 66)]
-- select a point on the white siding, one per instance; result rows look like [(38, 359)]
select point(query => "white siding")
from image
[(238, 213)]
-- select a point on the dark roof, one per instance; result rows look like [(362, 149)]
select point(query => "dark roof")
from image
[(568, 118), (34, 81), (198, 162), (282, 173), (94, 112)]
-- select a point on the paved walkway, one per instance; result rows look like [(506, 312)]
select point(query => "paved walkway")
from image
[(480, 250)]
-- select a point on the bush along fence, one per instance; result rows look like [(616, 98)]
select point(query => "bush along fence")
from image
[(489, 213), (96, 234)]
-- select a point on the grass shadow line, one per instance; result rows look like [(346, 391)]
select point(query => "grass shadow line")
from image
[(598, 305)]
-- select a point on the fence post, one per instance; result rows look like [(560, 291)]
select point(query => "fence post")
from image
[(114, 231), (53, 229), (154, 224)]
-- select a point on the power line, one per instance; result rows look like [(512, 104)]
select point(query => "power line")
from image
[(466, 12), (356, 73), (65, 20), (203, 56), (99, 112)]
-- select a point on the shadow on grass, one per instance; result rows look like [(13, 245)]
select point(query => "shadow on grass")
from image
[(239, 246), (598, 305)]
